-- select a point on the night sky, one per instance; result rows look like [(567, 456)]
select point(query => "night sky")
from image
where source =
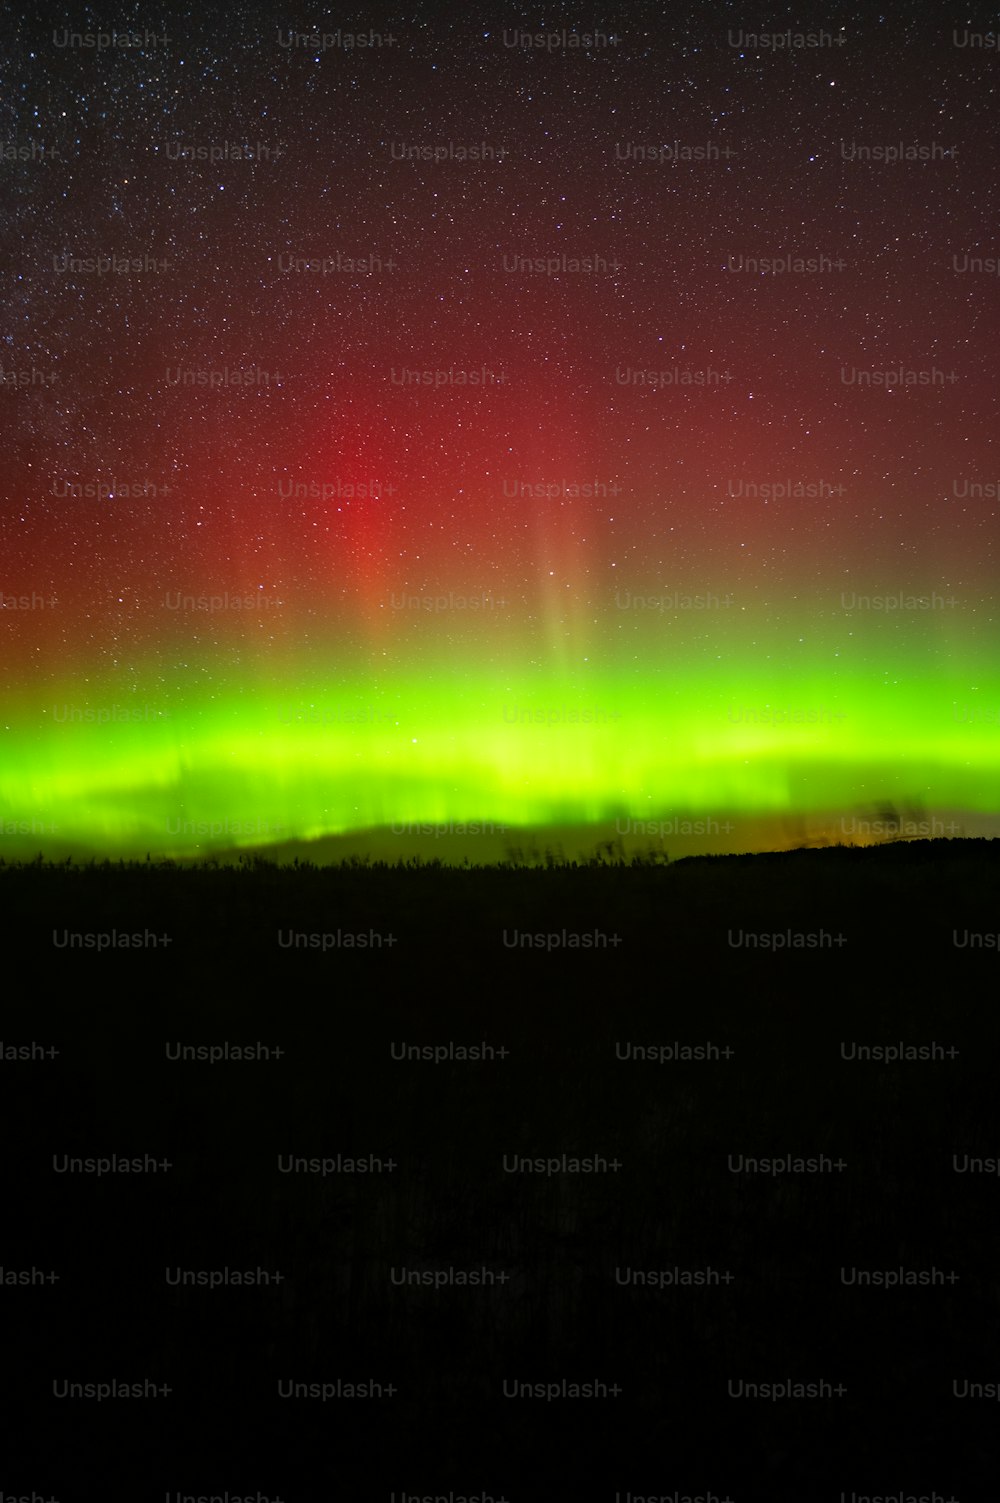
[(442, 430)]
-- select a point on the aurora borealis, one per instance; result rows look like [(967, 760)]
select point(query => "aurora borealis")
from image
[(485, 435)]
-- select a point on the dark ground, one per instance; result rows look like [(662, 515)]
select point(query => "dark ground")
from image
[(898, 1202)]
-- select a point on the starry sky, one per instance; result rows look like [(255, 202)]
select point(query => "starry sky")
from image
[(435, 427)]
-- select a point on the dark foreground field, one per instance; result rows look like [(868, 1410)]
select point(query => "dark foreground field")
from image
[(438, 1170)]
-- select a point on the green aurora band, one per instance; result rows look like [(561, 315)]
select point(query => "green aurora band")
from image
[(252, 767)]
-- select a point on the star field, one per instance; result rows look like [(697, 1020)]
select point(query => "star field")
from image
[(451, 373)]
